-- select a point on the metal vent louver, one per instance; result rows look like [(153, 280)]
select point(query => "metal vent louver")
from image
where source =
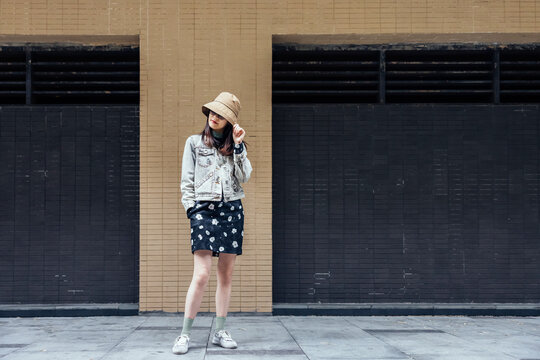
[(69, 75), (439, 76), (12, 75), (85, 75), (520, 75), (321, 76), (427, 73)]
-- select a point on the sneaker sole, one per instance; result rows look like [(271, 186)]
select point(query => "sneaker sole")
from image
[(225, 347), (178, 352)]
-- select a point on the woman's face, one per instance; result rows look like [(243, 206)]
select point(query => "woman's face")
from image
[(216, 122)]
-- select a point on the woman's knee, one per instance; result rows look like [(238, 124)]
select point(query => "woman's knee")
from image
[(202, 266), (225, 274), (201, 278)]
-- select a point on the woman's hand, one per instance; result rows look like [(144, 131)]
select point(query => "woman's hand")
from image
[(238, 134)]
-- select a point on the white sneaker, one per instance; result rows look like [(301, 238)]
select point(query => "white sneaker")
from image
[(223, 339), (181, 344)]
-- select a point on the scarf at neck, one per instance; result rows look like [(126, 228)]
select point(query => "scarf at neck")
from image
[(216, 134)]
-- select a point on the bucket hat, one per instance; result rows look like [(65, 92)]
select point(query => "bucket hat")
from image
[(226, 105)]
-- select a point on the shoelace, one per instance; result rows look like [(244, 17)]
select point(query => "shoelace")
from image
[(182, 339), (225, 335)]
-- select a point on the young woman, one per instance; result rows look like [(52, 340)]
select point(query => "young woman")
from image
[(214, 164)]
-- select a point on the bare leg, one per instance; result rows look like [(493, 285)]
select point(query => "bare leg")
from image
[(224, 282), (201, 273)]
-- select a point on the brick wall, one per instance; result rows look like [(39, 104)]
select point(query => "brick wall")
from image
[(192, 50)]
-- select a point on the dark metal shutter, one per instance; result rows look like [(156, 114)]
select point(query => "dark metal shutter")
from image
[(409, 202), (69, 207)]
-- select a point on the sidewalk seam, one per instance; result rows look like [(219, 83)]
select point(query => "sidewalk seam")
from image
[(381, 340), (296, 342), (124, 338), (209, 334)]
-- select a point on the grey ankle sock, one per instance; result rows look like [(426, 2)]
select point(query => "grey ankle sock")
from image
[(220, 322), (186, 329)]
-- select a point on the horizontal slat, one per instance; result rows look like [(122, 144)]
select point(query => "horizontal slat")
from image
[(520, 82), (319, 65), (440, 81), (438, 72), (521, 63), (337, 92), (326, 74), (435, 62), (85, 82), (520, 91), (12, 92), (520, 72), (85, 73), (4, 83), (86, 92), (449, 91), (324, 83), (82, 63), (13, 73)]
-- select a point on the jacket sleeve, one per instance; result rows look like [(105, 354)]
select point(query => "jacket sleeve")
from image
[(187, 181), (242, 165)]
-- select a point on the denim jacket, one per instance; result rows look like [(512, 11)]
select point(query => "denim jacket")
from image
[(207, 174)]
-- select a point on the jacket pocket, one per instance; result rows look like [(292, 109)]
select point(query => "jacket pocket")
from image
[(205, 157), (189, 212), (192, 209)]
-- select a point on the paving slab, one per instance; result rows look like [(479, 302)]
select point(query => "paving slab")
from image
[(151, 336)]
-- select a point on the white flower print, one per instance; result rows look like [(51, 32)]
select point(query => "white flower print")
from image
[(192, 231), (211, 248), (221, 248), (239, 206), (198, 206), (230, 218), (220, 204), (211, 206), (221, 213), (232, 208), (207, 232), (198, 217), (242, 232), (235, 244), (239, 216), (233, 231), (215, 222), (212, 239), (200, 237), (201, 226), (225, 234), (191, 241)]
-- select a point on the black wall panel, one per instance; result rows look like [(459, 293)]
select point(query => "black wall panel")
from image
[(69, 206), (406, 203)]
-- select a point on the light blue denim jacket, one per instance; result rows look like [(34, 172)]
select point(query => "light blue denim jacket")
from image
[(207, 174)]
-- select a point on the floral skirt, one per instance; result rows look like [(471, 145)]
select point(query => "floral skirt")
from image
[(217, 226)]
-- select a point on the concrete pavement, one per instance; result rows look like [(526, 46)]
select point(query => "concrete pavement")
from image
[(151, 336)]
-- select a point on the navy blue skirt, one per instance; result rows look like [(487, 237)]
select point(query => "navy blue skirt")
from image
[(217, 226)]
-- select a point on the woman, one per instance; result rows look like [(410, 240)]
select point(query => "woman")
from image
[(214, 164)]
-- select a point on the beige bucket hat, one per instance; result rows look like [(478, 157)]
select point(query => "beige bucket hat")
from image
[(226, 105)]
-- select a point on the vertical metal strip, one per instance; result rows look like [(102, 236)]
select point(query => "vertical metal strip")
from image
[(382, 76), (497, 75), (28, 75)]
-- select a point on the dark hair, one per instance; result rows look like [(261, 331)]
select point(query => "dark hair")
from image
[(225, 145)]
